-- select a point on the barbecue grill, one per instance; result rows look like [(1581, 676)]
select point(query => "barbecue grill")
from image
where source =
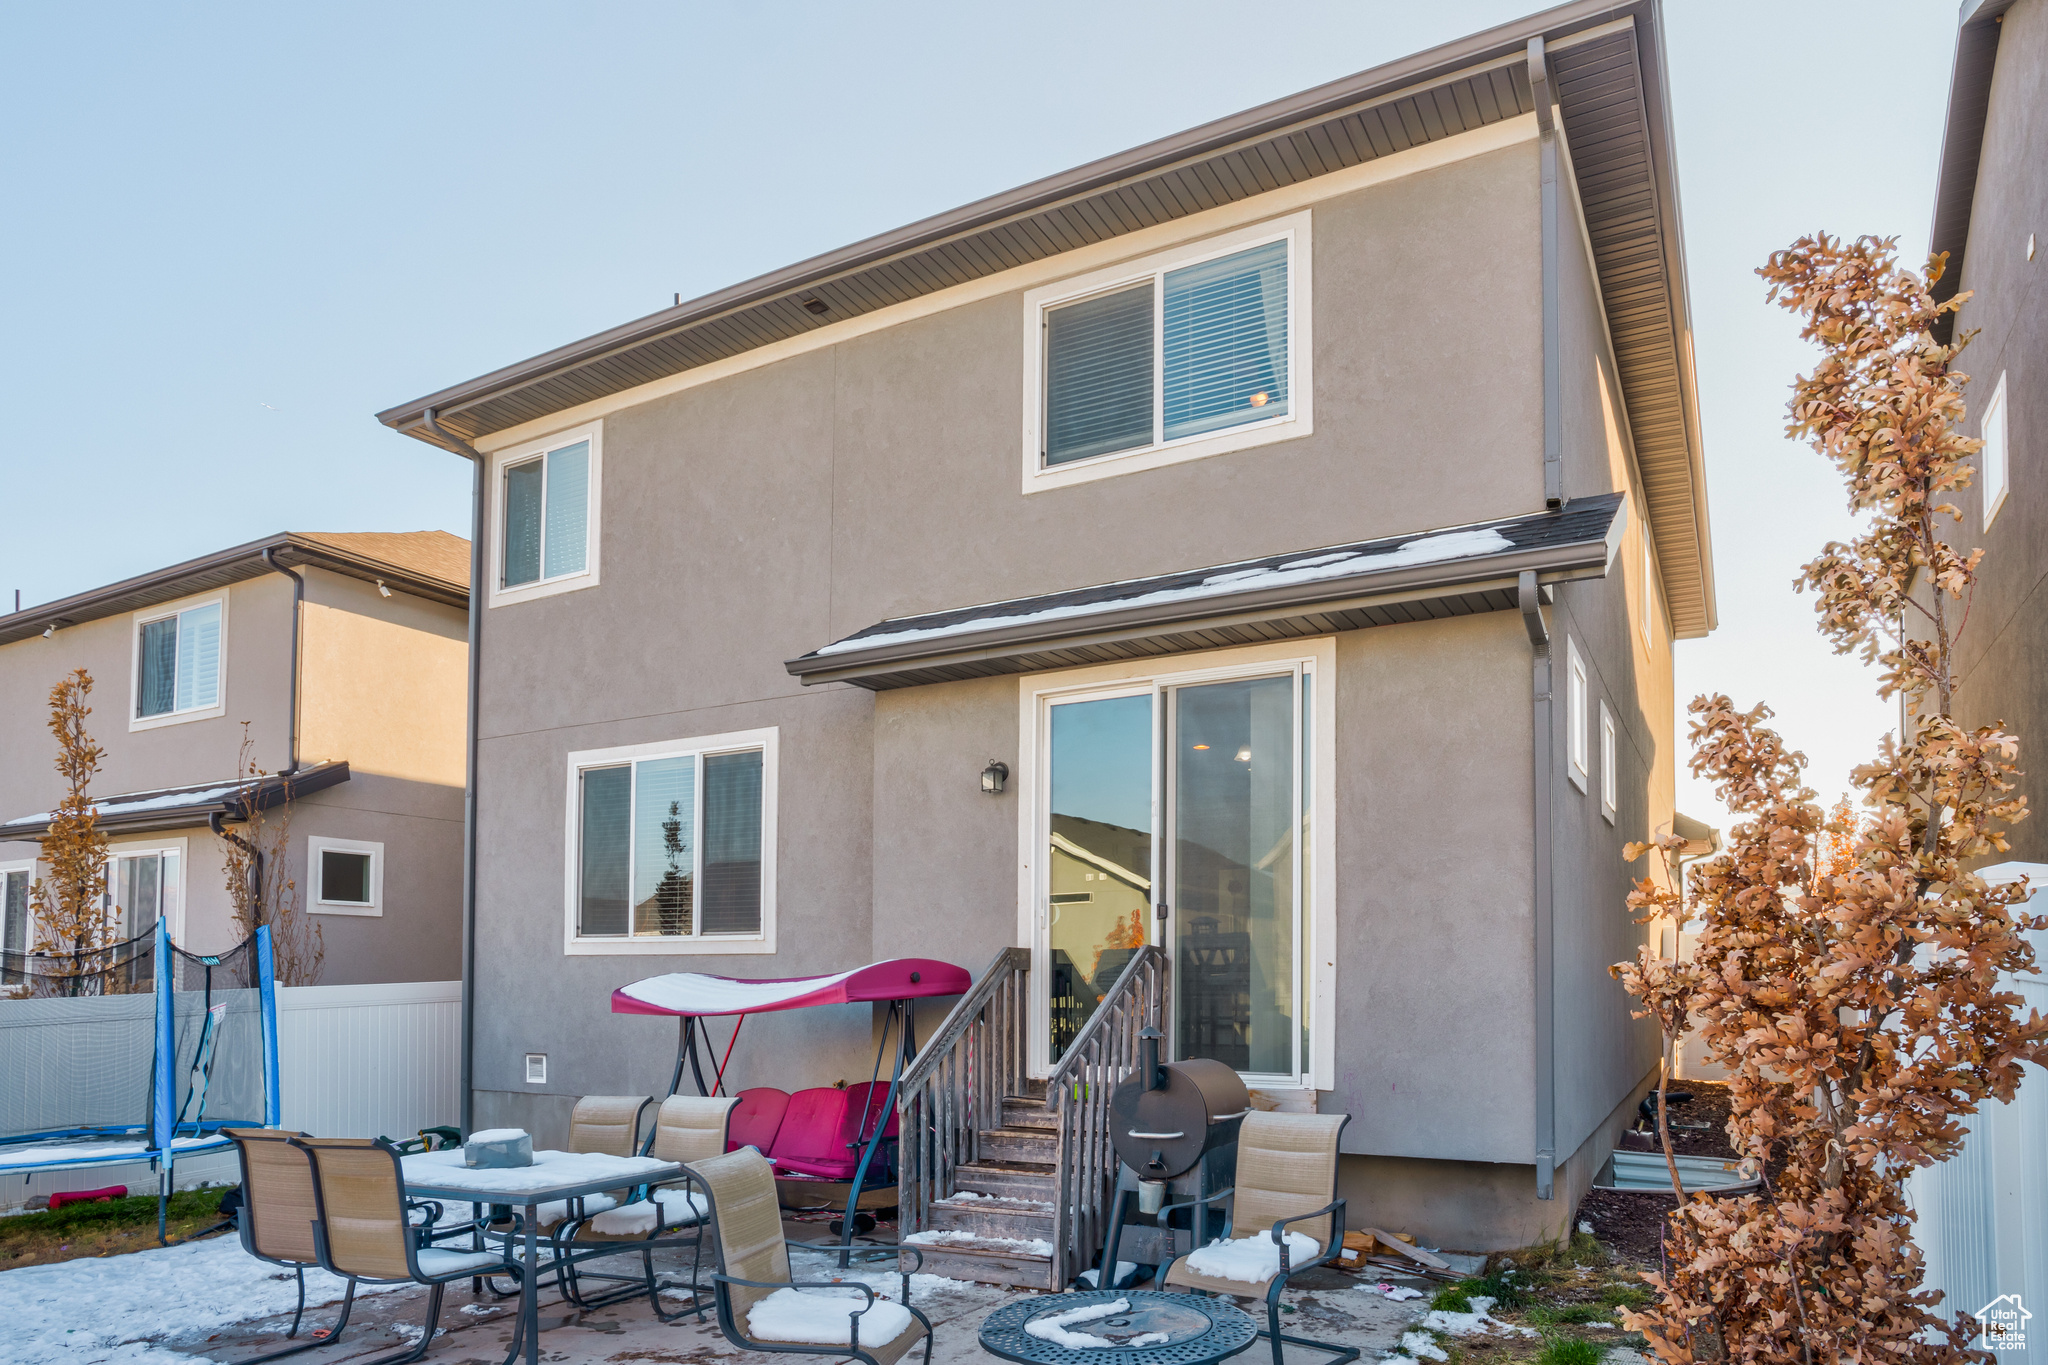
[(1174, 1128)]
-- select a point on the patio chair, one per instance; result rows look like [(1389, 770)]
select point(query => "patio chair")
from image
[(1286, 1182), (687, 1128), (276, 1221), (609, 1124), (362, 1229), (753, 1268)]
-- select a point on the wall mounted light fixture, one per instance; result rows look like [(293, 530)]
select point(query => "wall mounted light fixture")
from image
[(994, 775)]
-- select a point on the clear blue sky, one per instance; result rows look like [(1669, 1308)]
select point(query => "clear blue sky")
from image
[(235, 231)]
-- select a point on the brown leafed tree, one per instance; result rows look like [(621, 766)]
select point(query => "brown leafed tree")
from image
[(1846, 972), (67, 904), (258, 872)]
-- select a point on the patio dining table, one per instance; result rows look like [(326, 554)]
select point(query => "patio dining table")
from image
[(552, 1176)]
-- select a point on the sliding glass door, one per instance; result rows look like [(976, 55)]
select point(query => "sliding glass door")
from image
[(1191, 797)]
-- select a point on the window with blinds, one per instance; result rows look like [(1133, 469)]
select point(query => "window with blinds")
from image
[(177, 662), (670, 846), (1186, 353), (547, 516)]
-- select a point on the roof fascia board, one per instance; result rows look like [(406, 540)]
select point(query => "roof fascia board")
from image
[(1568, 562), (268, 796), (163, 585), (1962, 141), (1406, 76), (1192, 227)]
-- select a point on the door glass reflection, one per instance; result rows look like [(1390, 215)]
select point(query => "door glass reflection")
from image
[(1233, 874), (1099, 858)]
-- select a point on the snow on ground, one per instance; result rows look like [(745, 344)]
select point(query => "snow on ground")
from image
[(114, 1308)]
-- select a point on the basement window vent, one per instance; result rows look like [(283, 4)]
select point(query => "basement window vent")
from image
[(536, 1068)]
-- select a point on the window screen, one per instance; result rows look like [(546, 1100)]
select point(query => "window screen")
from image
[(607, 843), (178, 662), (1099, 375), (344, 876), (156, 685), (732, 843), (1226, 342), (547, 516)]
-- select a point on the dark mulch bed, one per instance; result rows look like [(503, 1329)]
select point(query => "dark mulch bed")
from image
[(1634, 1223)]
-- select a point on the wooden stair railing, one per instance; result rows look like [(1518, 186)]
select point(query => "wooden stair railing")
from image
[(956, 1086), (1102, 1055)]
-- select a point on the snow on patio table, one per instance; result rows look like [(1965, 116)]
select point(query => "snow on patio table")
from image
[(550, 1170), (115, 1308)]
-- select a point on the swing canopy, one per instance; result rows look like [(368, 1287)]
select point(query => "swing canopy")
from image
[(695, 994)]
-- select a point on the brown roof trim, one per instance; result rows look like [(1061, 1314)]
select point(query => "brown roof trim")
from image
[(1962, 142), (161, 808), (215, 570)]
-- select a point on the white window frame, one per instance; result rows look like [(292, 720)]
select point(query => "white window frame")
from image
[(1037, 693), (142, 848), (27, 867), (157, 613), (496, 593), (1610, 784), (1995, 459), (317, 844), (1299, 420), (626, 945), (1575, 693)]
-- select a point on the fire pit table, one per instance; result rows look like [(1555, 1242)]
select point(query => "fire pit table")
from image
[(1198, 1330)]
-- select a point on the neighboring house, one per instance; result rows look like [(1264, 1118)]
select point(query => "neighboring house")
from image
[(1300, 510), (1984, 1214), (346, 654), (1991, 217)]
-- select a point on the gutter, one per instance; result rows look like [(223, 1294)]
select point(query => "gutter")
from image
[(292, 684), (449, 441), (1545, 921)]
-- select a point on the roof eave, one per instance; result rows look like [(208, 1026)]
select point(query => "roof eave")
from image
[(239, 563), (270, 794), (1561, 563)]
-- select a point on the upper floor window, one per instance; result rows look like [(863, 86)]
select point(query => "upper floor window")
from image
[(671, 846), (1992, 459), (1575, 692), (545, 537), (1191, 352), (178, 662)]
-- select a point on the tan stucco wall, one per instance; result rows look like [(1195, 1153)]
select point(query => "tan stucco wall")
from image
[(379, 675)]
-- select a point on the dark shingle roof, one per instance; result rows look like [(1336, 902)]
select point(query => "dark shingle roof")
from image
[(1451, 571)]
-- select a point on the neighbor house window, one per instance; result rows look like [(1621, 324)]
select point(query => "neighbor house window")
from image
[(178, 662), (1610, 791), (347, 876), (1992, 459), (144, 886), (1575, 712), (671, 846), (14, 922), (546, 537), (1191, 352)]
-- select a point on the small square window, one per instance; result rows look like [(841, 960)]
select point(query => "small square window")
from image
[(346, 875), (536, 1068)]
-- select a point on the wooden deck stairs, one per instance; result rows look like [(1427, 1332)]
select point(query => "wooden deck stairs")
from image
[(1003, 1189)]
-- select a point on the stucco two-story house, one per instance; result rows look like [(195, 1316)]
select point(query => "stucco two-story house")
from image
[(1266, 543), (1982, 1214), (346, 656)]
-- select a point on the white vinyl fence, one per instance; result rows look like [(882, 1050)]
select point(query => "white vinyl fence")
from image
[(1983, 1216), (353, 1061)]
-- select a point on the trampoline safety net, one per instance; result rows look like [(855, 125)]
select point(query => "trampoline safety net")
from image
[(80, 1045)]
